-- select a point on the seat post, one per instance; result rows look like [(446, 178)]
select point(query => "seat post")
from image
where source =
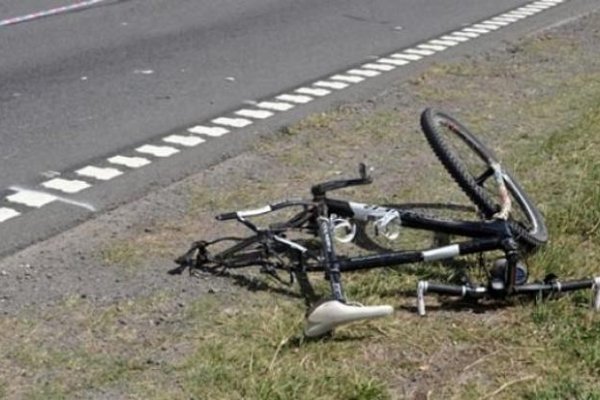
[(332, 265)]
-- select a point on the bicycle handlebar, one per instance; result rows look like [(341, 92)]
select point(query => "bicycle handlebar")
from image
[(322, 188), (318, 190), (554, 286), (241, 214)]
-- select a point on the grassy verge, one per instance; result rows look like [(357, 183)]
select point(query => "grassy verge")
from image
[(536, 105)]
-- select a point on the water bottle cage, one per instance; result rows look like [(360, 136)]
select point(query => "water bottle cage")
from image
[(344, 230), (384, 223)]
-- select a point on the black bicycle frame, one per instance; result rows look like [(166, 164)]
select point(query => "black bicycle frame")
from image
[(411, 256)]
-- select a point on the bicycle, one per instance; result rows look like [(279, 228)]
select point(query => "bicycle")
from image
[(517, 232)]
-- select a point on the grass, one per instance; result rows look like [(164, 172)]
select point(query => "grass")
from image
[(246, 345)]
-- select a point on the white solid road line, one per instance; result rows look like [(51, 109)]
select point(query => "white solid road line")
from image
[(49, 12)]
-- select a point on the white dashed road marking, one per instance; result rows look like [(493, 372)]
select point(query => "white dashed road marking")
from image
[(31, 198), (102, 174), (347, 78), (233, 122), (369, 73), (313, 91), (434, 47), (476, 30), (486, 26), (500, 23), (275, 106), (379, 67), (409, 57), (331, 85), (187, 141), (397, 62), (257, 114), (471, 35), (8, 213), (131, 162), (258, 110), (444, 42), (455, 38), (66, 185), (157, 151), (213, 131), (420, 52), (292, 98)]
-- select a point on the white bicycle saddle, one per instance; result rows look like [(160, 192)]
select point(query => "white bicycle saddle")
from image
[(334, 313)]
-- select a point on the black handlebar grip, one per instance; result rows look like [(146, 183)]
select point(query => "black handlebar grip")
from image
[(577, 285), (440, 288), (226, 216)]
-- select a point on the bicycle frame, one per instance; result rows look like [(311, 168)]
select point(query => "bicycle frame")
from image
[(317, 218)]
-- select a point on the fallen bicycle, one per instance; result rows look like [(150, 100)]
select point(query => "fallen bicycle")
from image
[(509, 222)]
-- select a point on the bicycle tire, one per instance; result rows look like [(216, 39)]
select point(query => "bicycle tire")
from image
[(531, 230)]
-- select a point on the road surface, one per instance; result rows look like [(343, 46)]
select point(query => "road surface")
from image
[(102, 101)]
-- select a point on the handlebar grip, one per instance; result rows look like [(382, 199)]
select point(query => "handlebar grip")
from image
[(226, 216), (452, 290), (245, 213), (555, 286)]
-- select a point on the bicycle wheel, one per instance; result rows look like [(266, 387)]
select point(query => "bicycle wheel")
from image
[(469, 162)]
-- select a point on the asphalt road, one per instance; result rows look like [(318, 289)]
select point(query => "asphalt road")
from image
[(86, 83)]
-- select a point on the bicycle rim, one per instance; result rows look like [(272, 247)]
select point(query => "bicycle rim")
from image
[(469, 163)]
